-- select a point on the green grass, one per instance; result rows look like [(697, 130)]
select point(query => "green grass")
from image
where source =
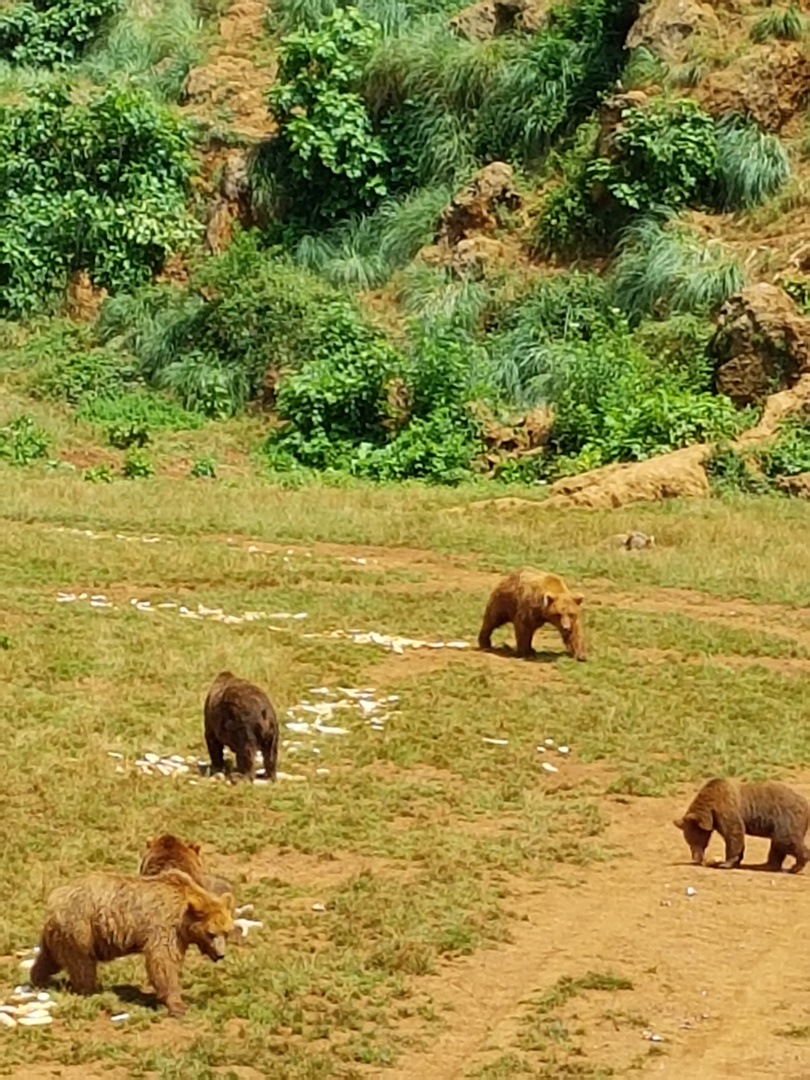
[(430, 825)]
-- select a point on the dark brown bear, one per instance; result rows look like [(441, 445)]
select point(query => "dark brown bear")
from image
[(104, 916), (240, 716), (735, 810), (169, 852), (528, 599)]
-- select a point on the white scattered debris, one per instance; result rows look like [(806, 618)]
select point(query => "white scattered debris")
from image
[(27, 1007), (393, 642), (690, 891), (119, 1018), (550, 742), (245, 909), (563, 749), (319, 907), (496, 742), (549, 767), (215, 614), (246, 925), (652, 1037), (541, 749)]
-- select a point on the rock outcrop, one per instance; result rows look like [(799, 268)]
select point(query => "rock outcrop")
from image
[(490, 18), (669, 27), (770, 82), (762, 344)]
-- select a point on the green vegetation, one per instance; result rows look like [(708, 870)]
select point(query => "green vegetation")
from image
[(40, 32)]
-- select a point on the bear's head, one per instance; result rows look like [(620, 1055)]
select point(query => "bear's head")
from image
[(696, 826), (208, 922), (564, 611)]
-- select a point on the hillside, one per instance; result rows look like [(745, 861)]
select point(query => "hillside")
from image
[(516, 241)]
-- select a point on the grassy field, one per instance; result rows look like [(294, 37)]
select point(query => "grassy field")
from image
[(418, 837)]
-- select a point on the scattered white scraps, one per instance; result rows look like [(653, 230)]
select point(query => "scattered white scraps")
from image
[(394, 642), (652, 1037), (496, 742), (690, 891), (315, 718), (26, 1007), (119, 1018), (246, 925), (549, 767), (214, 614), (319, 907)]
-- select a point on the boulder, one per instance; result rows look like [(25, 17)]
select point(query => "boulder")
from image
[(679, 474), (667, 27), (82, 299), (762, 344), (490, 18), (770, 82), (473, 256)]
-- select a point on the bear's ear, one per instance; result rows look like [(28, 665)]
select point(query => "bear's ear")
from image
[(577, 597), (195, 847), (702, 818), (678, 823), (228, 902), (150, 843)]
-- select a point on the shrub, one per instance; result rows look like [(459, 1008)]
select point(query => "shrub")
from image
[(137, 465), (325, 161), (98, 474), (22, 441), (84, 376), (137, 410), (611, 403), (97, 186), (204, 467), (730, 472), (125, 434), (50, 31), (789, 453), (662, 269)]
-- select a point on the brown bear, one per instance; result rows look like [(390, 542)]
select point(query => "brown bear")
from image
[(528, 599), (103, 916), (169, 852), (240, 716), (736, 809)]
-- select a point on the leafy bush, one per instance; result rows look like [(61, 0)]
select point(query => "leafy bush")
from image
[(789, 453), (22, 441), (138, 465), (204, 467), (262, 315), (665, 155), (97, 186), (98, 474), (125, 434), (50, 31), (138, 410), (612, 403), (325, 161), (730, 472), (662, 269), (84, 376)]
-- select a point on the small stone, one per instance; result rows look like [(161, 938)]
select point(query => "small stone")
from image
[(549, 742), (690, 891), (319, 907), (549, 767), (563, 749), (152, 759)]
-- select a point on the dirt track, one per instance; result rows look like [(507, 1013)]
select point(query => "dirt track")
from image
[(716, 974)]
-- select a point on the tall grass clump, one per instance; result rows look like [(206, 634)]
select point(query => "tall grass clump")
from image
[(751, 165), (662, 269), (786, 24), (158, 43), (434, 293), (363, 252)]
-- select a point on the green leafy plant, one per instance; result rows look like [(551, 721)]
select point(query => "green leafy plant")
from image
[(730, 472), (23, 441), (789, 453), (137, 465), (325, 149), (96, 185), (98, 474), (51, 31), (127, 433), (83, 376), (204, 467)]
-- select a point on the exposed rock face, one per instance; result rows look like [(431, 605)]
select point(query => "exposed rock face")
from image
[(667, 27), (82, 298), (762, 344), (231, 202), (489, 18), (771, 82), (525, 437), (611, 117), (670, 476), (474, 208), (473, 256)]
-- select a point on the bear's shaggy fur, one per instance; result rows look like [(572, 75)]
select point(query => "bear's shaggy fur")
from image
[(736, 809), (104, 916), (169, 852), (528, 599), (240, 716)]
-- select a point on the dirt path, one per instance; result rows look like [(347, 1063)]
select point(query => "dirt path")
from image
[(717, 975)]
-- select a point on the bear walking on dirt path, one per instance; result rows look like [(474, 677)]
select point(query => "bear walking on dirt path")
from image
[(528, 599), (169, 852), (103, 916), (240, 716), (736, 809)]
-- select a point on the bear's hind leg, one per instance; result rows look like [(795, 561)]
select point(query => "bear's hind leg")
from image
[(216, 751), (777, 853), (268, 745), (82, 972), (494, 617)]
